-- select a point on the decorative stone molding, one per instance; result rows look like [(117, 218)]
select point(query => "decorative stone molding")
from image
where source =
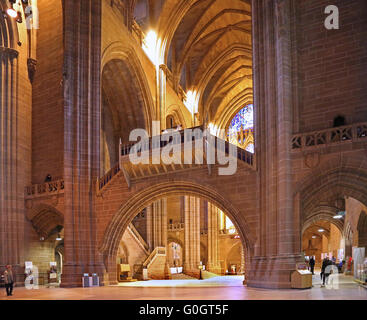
[(355, 132), (44, 190), (32, 64), (312, 160), (8, 53)]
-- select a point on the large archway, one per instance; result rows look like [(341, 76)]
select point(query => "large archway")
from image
[(143, 199), (126, 104), (332, 205)]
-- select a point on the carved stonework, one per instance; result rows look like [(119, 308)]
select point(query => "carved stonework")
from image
[(312, 160), (8, 53), (32, 64)]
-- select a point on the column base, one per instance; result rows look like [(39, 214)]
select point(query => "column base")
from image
[(215, 269), (72, 275), (192, 270), (272, 272)]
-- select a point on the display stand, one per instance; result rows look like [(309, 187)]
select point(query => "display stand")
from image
[(125, 273), (301, 278)]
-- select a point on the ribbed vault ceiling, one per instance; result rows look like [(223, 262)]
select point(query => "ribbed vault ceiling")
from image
[(211, 52)]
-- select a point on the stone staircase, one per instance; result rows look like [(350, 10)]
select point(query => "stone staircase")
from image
[(155, 265)]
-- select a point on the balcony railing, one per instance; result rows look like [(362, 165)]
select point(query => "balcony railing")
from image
[(176, 226), (355, 132), (108, 176), (44, 189), (158, 251), (242, 154)]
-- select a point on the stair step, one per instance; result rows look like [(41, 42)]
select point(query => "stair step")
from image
[(181, 276), (208, 275)]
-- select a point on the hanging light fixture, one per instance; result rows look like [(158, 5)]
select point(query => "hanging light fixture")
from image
[(11, 13), (321, 230), (58, 237), (339, 215)]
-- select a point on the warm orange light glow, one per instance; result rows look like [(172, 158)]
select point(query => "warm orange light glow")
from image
[(192, 101), (151, 45)]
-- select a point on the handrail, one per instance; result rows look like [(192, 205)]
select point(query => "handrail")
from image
[(242, 154), (353, 132), (138, 237), (103, 181), (44, 189)]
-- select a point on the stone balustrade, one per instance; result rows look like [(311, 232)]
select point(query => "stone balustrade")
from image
[(242, 154), (354, 133), (44, 189), (103, 181), (158, 251), (176, 226)]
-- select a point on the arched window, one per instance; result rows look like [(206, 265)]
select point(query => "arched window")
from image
[(170, 122), (241, 129)]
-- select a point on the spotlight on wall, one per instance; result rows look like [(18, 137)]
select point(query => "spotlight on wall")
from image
[(12, 13)]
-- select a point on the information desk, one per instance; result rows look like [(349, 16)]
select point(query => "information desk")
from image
[(301, 279)]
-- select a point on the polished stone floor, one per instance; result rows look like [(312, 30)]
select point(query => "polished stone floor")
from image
[(343, 288)]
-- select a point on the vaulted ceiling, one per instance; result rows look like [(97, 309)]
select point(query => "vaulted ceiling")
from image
[(120, 92), (211, 53), (208, 48)]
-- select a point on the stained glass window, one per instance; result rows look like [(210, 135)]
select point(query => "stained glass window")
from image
[(241, 129)]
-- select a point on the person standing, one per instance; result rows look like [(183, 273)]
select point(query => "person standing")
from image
[(9, 280), (312, 265)]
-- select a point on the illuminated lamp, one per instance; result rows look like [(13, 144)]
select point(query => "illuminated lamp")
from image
[(12, 13), (339, 215)]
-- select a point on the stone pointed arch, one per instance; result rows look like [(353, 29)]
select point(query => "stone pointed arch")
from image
[(345, 181), (45, 219), (325, 213), (142, 199), (120, 51)]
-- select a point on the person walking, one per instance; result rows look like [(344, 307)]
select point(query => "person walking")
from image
[(9, 280), (312, 265), (325, 271)]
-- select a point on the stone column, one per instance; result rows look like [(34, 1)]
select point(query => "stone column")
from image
[(192, 236), (162, 83), (213, 234), (277, 250), (81, 138), (12, 168), (157, 224)]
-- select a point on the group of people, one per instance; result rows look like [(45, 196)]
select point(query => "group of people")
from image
[(326, 267)]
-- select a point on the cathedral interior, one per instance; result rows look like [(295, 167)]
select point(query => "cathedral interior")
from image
[(264, 77)]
